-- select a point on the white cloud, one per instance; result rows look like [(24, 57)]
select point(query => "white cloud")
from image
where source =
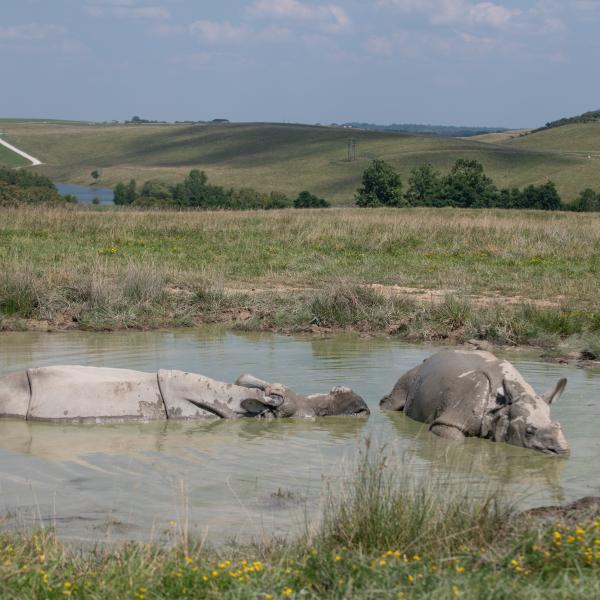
[(125, 9), (32, 32), (457, 12), (224, 32), (330, 17), (213, 32)]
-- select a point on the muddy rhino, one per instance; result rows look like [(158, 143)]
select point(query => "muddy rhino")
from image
[(463, 393), (90, 394)]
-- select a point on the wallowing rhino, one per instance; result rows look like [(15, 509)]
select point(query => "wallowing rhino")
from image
[(463, 393), (90, 394)]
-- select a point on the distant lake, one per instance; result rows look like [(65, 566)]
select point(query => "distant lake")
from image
[(85, 193)]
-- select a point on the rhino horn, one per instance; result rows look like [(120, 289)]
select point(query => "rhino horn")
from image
[(554, 394)]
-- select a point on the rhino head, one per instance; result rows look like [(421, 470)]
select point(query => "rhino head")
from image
[(525, 419), (280, 401)]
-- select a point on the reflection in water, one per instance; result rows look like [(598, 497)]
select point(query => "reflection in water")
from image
[(112, 482)]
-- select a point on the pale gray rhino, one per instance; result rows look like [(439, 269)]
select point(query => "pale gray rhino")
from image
[(90, 394), (464, 393)]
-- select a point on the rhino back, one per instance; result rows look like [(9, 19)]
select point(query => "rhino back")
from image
[(82, 394), (14, 395), (454, 387), (184, 393)]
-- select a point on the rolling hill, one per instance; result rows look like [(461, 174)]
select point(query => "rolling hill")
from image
[(290, 158)]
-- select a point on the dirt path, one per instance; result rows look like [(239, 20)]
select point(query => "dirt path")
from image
[(420, 295), (34, 161)]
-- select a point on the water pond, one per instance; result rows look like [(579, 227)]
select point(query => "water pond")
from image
[(247, 478), (85, 194)]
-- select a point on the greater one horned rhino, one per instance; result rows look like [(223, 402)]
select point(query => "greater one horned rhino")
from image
[(90, 394), (462, 393)]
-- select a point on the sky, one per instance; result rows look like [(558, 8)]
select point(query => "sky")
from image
[(453, 62)]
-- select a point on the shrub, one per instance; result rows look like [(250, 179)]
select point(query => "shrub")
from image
[(381, 186), (308, 200)]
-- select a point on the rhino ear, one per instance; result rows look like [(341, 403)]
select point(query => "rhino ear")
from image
[(511, 393), (550, 396)]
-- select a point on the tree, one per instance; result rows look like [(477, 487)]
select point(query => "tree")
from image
[(424, 187), (468, 186), (541, 197), (308, 200), (588, 201), (95, 175), (157, 189), (125, 193), (381, 186)]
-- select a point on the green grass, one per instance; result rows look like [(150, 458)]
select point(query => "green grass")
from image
[(286, 158), (382, 536), (511, 277), (8, 158), (581, 138)]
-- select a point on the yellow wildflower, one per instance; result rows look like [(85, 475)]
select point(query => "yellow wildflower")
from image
[(268, 597), (455, 591), (410, 578), (287, 592), (338, 558)]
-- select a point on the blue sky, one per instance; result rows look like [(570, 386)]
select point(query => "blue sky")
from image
[(461, 62)]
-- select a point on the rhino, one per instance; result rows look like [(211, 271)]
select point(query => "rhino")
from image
[(472, 393), (91, 394)]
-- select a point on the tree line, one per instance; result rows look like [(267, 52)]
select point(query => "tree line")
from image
[(196, 192), (23, 187), (465, 186)]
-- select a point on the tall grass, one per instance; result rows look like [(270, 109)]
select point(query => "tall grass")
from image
[(383, 506)]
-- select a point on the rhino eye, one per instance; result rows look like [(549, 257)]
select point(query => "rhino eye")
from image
[(530, 430)]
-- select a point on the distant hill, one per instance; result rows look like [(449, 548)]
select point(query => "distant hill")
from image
[(441, 130), (291, 158), (592, 116)]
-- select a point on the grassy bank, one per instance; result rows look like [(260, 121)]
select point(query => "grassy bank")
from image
[(291, 158), (381, 536), (511, 277)]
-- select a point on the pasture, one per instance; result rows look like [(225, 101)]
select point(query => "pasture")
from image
[(287, 158)]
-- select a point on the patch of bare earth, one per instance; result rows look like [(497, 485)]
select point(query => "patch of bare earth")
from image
[(421, 295)]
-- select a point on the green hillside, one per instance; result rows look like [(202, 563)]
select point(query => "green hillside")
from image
[(9, 159), (582, 138), (287, 158)]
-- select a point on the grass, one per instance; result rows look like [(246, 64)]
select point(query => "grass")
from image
[(383, 535), (8, 158), (286, 158), (512, 277)]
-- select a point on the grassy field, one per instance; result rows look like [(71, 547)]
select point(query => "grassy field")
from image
[(582, 138), (286, 158), (9, 159), (382, 536), (513, 276)]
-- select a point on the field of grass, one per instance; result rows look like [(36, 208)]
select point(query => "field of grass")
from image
[(8, 158), (286, 158), (382, 536), (106, 269), (582, 138)]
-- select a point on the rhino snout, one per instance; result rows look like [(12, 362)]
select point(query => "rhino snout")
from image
[(550, 440)]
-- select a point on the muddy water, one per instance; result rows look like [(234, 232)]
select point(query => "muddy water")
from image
[(243, 479)]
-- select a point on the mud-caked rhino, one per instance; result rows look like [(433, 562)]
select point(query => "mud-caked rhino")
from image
[(90, 394), (463, 393)]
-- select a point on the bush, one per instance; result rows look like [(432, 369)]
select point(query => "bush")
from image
[(308, 200), (424, 187), (467, 186), (381, 186), (125, 193), (588, 201)]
